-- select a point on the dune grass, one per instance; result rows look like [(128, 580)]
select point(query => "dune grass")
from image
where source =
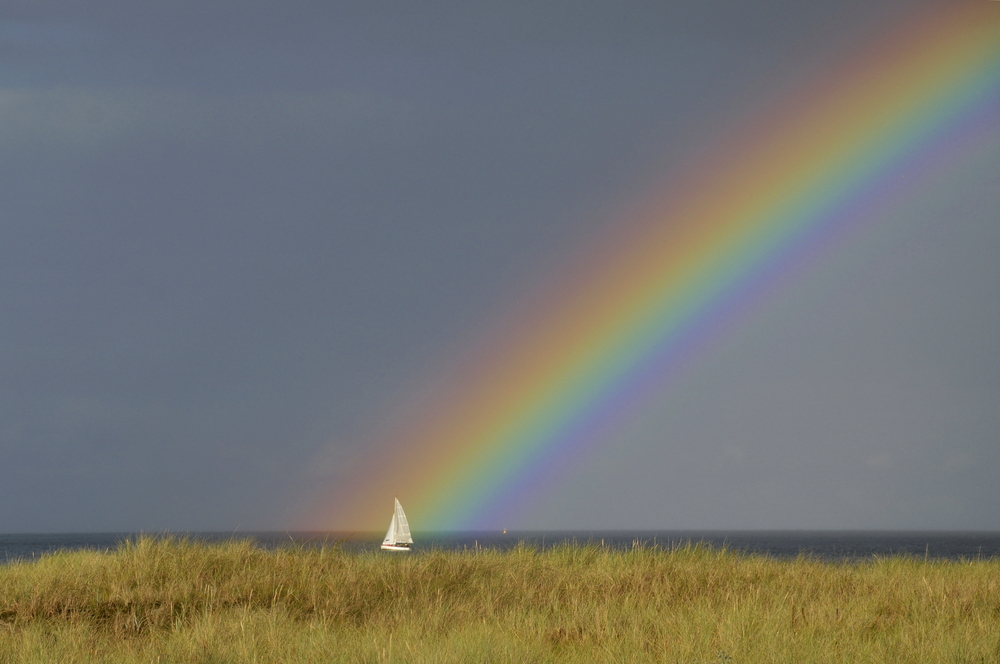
[(170, 600)]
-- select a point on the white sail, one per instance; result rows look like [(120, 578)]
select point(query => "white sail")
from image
[(390, 535), (402, 526)]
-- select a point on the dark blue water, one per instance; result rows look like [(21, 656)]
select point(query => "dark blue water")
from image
[(827, 545)]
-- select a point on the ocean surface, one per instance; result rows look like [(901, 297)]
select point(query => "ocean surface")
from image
[(827, 545)]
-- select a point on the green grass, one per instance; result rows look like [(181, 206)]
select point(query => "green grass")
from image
[(169, 600)]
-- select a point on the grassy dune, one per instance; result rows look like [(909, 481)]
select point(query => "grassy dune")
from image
[(164, 600)]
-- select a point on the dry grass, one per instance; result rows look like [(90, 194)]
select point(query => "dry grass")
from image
[(168, 600)]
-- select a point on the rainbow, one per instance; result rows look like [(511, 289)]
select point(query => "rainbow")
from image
[(615, 323)]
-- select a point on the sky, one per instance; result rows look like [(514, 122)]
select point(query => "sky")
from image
[(240, 239)]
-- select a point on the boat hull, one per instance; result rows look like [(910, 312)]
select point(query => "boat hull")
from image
[(395, 547)]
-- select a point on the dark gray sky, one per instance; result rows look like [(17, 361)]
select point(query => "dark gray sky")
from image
[(234, 236)]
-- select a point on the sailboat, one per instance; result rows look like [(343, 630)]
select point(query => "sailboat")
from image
[(398, 536)]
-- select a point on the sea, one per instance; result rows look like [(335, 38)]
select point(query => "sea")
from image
[(831, 545)]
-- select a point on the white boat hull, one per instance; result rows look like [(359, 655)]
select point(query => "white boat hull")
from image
[(395, 547)]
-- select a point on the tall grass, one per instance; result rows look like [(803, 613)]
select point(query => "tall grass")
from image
[(169, 600)]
